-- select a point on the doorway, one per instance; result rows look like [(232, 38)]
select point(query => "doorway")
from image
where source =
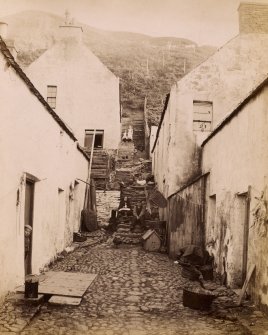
[(244, 214), (28, 225), (98, 143)]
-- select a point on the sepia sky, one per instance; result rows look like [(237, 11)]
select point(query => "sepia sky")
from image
[(203, 21)]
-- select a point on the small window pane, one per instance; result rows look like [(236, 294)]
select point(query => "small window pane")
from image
[(52, 102), (51, 96)]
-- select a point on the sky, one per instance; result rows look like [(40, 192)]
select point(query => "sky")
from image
[(211, 22)]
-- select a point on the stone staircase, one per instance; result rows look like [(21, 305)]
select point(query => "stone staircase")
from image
[(135, 118), (124, 233), (135, 193), (125, 156)]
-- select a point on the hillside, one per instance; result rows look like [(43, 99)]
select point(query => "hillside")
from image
[(147, 66)]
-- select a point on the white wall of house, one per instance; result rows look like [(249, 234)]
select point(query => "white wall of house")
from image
[(237, 158), (32, 142), (87, 92), (176, 155), (224, 79)]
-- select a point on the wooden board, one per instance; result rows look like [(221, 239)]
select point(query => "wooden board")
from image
[(158, 199), (64, 283), (62, 300), (244, 288)]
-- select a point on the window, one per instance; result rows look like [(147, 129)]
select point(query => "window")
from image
[(202, 116), (98, 143), (51, 96)]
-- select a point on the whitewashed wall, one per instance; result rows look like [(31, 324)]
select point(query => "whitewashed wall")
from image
[(225, 79), (87, 92), (237, 158), (32, 142)]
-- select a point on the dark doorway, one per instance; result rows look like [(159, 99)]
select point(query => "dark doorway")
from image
[(28, 222), (98, 143), (243, 221)]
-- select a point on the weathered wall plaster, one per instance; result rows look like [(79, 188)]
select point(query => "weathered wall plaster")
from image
[(32, 142), (237, 159)]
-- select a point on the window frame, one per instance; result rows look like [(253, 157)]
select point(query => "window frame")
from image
[(207, 121), (97, 132), (52, 95)]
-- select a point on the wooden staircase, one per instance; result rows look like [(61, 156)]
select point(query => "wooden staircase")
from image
[(100, 168), (136, 120)]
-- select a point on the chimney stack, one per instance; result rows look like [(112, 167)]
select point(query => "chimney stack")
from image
[(253, 18), (69, 32), (3, 30)]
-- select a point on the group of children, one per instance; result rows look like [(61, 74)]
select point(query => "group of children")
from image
[(135, 214)]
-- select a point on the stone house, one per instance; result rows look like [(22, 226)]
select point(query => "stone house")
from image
[(210, 157), (41, 164), (79, 88)]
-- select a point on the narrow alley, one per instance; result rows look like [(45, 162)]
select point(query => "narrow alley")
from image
[(135, 292), (134, 196)]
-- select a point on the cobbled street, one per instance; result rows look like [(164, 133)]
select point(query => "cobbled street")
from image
[(136, 292)]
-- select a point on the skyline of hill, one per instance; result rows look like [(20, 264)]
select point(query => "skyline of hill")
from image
[(147, 66)]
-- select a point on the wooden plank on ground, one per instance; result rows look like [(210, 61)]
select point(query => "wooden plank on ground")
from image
[(63, 300), (64, 283), (246, 282)]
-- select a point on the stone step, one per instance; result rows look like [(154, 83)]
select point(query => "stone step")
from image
[(129, 235), (131, 241), (124, 225), (123, 230)]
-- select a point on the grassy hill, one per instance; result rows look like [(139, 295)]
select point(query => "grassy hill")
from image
[(147, 66)]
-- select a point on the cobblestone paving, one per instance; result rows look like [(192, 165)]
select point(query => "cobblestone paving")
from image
[(135, 293)]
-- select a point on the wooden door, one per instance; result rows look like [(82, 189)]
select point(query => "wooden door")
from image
[(28, 220), (243, 221)]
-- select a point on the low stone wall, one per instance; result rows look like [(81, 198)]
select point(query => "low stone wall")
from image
[(106, 201)]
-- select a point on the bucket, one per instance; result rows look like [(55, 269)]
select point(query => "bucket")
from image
[(197, 299), (31, 287)]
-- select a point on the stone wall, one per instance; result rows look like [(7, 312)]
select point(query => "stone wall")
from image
[(106, 201)]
